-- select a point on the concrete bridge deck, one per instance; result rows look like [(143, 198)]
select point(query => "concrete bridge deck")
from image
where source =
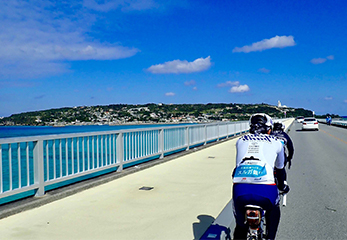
[(187, 195)]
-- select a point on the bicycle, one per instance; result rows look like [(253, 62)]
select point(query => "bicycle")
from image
[(255, 219)]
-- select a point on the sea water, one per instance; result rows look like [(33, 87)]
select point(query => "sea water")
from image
[(24, 131)]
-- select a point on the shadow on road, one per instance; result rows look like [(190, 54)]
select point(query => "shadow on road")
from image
[(301, 130), (200, 227)]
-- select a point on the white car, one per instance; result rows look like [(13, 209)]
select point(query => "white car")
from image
[(310, 124), (300, 119)]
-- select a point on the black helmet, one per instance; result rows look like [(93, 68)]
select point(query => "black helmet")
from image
[(260, 123), (278, 127)]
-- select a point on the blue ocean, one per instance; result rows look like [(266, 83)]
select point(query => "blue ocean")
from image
[(24, 131)]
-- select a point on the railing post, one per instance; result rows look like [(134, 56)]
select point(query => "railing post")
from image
[(120, 151), (38, 168), (227, 130), (205, 132), (1, 180), (217, 132), (187, 138), (161, 143)]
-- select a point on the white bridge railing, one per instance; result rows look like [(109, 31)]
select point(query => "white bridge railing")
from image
[(40, 163), (336, 122)]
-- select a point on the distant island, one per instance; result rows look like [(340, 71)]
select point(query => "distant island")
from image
[(117, 114)]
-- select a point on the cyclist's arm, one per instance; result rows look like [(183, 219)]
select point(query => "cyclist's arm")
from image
[(280, 170), (281, 176), (280, 160)]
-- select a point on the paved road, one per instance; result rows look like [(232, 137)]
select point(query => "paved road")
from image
[(317, 203)]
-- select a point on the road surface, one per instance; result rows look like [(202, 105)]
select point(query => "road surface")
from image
[(317, 203)]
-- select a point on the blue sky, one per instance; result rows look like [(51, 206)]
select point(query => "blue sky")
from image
[(97, 52)]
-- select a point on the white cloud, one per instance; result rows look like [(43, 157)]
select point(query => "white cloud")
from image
[(195, 88), (59, 51), (178, 66), (318, 60), (263, 70), (235, 86), (170, 94), (345, 101), (328, 98), (275, 42), (331, 57), (322, 60), (228, 84), (124, 5), (190, 83), (38, 37), (239, 89)]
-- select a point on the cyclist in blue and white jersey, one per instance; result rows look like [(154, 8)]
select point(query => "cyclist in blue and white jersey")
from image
[(258, 153), (278, 131), (328, 120)]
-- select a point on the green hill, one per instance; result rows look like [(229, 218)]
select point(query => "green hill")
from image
[(149, 113)]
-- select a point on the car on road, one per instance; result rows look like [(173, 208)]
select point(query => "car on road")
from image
[(300, 119), (310, 124)]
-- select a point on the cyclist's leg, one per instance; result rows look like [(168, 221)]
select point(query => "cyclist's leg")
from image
[(272, 208), (254, 194), (265, 196), (272, 221), (240, 232), (239, 202)]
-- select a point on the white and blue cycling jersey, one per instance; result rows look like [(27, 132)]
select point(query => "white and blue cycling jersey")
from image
[(257, 156)]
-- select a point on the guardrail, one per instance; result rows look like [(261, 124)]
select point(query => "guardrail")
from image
[(336, 122), (33, 165)]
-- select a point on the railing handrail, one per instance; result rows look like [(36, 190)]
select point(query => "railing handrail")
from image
[(82, 134), (334, 122), (56, 158)]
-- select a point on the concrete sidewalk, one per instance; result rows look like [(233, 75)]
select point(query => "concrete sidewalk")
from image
[(188, 194)]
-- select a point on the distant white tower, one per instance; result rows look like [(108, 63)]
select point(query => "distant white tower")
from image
[(279, 104)]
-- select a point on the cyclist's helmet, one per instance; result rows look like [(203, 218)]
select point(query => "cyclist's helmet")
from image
[(260, 123), (278, 127)]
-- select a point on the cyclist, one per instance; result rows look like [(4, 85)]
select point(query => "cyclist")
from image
[(328, 120), (278, 131), (258, 153)]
